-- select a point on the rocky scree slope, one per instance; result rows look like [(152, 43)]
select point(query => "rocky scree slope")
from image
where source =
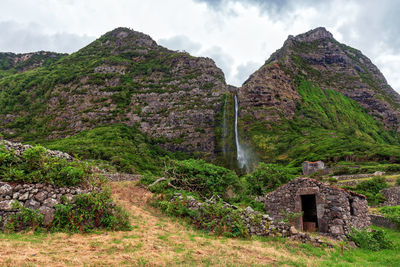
[(123, 77), (316, 98)]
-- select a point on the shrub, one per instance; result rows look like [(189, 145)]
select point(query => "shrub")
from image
[(203, 178), (370, 239), (213, 217), (266, 178), (25, 218), (36, 166), (398, 181), (371, 189), (90, 211)]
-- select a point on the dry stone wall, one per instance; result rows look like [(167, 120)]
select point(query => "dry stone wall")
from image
[(40, 197), (381, 221), (392, 196)]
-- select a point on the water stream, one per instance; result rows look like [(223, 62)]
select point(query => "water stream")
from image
[(242, 157)]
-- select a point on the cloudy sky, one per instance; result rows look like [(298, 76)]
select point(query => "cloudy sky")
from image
[(238, 34)]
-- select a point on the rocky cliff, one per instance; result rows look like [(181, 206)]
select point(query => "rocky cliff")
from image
[(315, 98), (123, 77)]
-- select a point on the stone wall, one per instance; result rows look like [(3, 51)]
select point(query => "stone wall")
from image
[(34, 196), (392, 196), (381, 221), (337, 209), (43, 197), (257, 223), (19, 148)]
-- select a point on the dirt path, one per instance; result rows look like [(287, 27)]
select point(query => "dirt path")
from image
[(156, 240)]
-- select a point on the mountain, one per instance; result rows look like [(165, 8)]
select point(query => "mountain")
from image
[(318, 99), (122, 77), (126, 100), (11, 63)]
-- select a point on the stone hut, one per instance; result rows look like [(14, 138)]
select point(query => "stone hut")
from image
[(310, 167), (325, 208)]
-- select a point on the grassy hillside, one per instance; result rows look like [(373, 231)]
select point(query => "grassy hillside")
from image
[(119, 146), (327, 126)]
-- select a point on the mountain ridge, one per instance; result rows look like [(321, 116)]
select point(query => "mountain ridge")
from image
[(182, 103)]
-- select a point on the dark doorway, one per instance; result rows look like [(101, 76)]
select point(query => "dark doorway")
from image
[(309, 209)]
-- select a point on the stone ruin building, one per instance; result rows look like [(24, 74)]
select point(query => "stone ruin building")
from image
[(310, 167), (325, 208)]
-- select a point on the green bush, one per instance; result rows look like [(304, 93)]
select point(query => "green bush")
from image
[(266, 178), (215, 218), (203, 178), (24, 218), (398, 181), (90, 211), (36, 166), (371, 189), (125, 148), (370, 239)]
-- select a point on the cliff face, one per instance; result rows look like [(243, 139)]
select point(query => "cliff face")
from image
[(315, 84), (123, 77)]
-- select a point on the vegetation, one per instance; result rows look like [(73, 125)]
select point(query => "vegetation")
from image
[(36, 166), (371, 189), (204, 181), (327, 126), (123, 147), (89, 212), (212, 217), (95, 210), (371, 239), (157, 239), (267, 177), (392, 213)]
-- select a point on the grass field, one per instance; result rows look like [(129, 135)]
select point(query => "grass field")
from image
[(158, 240)]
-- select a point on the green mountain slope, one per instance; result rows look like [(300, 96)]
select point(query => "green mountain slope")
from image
[(123, 77), (11, 63), (313, 100)]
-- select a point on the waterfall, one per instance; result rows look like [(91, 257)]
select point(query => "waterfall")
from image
[(242, 156)]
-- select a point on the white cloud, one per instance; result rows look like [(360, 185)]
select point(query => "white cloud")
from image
[(237, 34)]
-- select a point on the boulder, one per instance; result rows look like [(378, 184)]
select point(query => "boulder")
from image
[(48, 214)]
